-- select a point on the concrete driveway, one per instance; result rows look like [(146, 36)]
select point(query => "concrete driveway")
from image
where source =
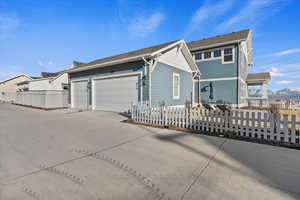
[(92, 155)]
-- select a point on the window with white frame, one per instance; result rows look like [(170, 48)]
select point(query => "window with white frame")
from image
[(198, 56), (207, 55), (228, 55), (217, 53), (176, 86)]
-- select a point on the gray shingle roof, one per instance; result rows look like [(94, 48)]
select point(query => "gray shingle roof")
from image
[(220, 39), (49, 74), (136, 53)]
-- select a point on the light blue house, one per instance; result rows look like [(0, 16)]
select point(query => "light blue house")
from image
[(161, 74), (212, 70), (223, 61)]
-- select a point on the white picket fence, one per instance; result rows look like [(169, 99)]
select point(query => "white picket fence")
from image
[(248, 124)]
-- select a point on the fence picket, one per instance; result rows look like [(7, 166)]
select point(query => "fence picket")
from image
[(293, 129), (265, 128), (286, 128), (259, 128), (226, 121), (279, 126)]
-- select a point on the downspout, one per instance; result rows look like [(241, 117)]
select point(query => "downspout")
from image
[(238, 75), (199, 90), (149, 64)]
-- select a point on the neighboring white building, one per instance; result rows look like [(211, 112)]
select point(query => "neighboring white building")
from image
[(56, 83), (9, 87), (48, 92)]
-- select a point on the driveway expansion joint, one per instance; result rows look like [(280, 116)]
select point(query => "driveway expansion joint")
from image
[(203, 169)]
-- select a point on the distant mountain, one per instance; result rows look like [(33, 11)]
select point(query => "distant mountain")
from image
[(254, 92), (288, 91), (291, 93)]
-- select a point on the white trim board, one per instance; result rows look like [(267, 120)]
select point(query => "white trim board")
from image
[(116, 75), (175, 57), (221, 79), (172, 65), (79, 80)]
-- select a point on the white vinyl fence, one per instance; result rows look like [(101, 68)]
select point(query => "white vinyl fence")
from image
[(43, 99), (245, 124)]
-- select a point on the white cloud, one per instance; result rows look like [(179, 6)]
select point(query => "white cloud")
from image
[(209, 10), (284, 82), (142, 26), (48, 65), (286, 52), (275, 71), (252, 13), (288, 68), (45, 63)]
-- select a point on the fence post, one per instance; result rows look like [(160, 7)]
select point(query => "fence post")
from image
[(286, 128), (260, 126), (253, 124), (265, 126), (198, 115), (225, 122), (293, 129), (131, 111), (272, 126), (277, 124), (210, 121), (236, 122)]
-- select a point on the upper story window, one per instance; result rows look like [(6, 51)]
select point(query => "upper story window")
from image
[(198, 56), (228, 55), (207, 55), (217, 53)]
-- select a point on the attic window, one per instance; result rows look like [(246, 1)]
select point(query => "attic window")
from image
[(207, 55), (198, 56), (217, 53), (228, 55)]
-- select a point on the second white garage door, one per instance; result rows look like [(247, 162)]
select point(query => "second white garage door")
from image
[(115, 94), (80, 94)]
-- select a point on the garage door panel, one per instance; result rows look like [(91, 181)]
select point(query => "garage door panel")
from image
[(80, 95), (116, 94)]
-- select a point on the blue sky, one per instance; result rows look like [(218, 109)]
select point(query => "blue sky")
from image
[(47, 35)]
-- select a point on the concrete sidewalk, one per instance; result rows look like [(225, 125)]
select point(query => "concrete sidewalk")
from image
[(92, 155)]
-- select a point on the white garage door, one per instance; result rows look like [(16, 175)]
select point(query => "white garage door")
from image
[(115, 94), (80, 94)]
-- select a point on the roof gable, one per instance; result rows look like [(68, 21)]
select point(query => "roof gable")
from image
[(146, 53), (18, 76)]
